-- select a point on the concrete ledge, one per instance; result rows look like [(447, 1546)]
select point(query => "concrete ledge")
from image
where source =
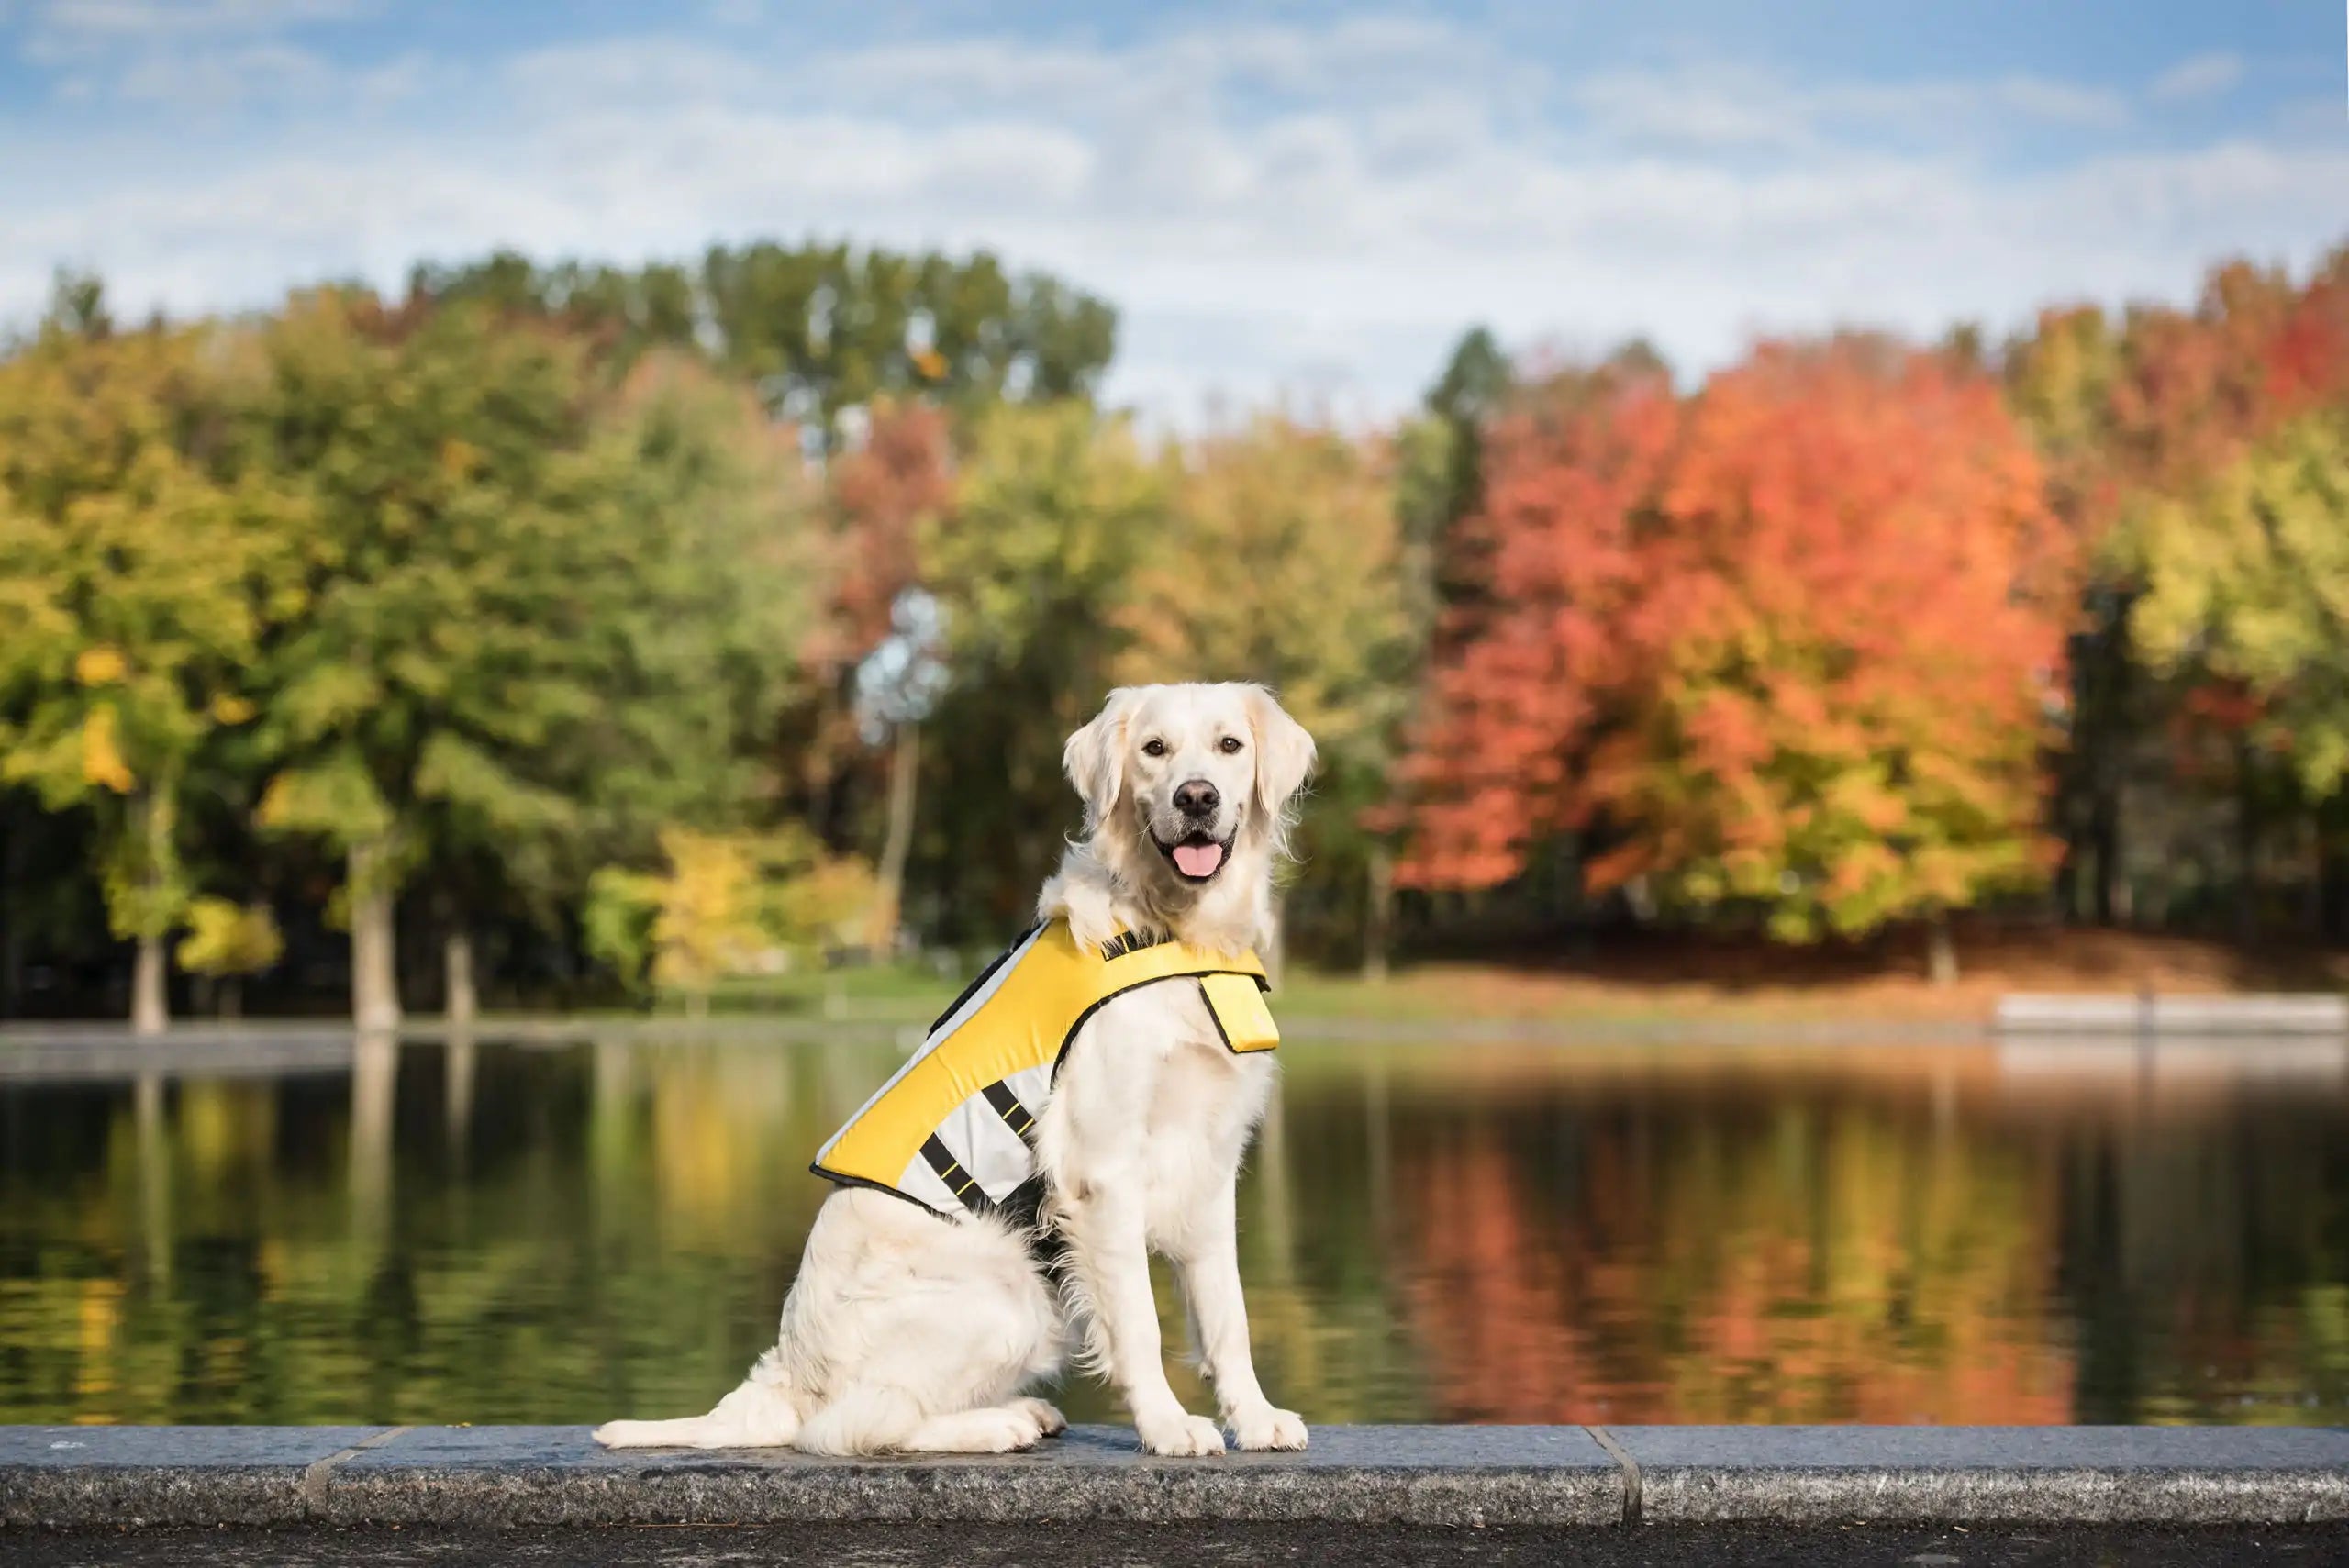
[(501, 1477), (75, 1478), (2051, 1475), (2279, 1013)]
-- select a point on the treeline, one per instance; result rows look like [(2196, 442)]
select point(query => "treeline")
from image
[(1859, 633), (650, 627)]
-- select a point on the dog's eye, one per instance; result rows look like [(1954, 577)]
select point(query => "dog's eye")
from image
[(1154, 748), (1230, 743)]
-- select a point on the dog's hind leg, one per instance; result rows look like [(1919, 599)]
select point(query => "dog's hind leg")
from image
[(992, 1428), (864, 1418), (757, 1414)]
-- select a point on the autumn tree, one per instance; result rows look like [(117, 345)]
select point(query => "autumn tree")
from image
[(718, 905), (1286, 563), (227, 941), (2130, 414), (133, 591), (871, 666), (2246, 601), (1783, 646)]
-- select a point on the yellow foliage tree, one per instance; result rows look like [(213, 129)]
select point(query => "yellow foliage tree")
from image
[(227, 941), (724, 904)]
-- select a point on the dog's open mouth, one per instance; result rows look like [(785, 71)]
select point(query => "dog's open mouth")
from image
[(1196, 857)]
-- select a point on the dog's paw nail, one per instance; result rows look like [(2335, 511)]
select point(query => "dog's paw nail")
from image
[(1049, 1420), (1268, 1428), (1184, 1437)]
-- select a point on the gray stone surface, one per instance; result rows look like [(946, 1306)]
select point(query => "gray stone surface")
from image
[(2153, 1476), (554, 1475), (1098, 1543), (83, 1477), (509, 1478)]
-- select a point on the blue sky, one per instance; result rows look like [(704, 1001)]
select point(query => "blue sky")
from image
[(1303, 202)]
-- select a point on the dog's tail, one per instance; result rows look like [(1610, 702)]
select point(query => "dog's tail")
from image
[(757, 1414)]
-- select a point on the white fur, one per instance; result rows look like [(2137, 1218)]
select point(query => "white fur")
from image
[(908, 1333)]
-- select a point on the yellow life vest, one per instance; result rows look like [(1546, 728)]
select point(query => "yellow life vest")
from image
[(952, 1130)]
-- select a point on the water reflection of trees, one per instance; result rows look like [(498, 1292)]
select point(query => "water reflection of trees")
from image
[(1652, 1246), (518, 1234)]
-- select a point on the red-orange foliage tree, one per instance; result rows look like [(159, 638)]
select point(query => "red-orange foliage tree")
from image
[(1785, 644)]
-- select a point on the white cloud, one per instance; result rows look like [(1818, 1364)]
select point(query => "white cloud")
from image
[(1733, 107), (211, 55), (223, 78), (2204, 76), (1277, 210), (60, 28)]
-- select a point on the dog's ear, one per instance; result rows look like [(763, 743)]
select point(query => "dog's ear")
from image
[(1094, 757), (1284, 751)]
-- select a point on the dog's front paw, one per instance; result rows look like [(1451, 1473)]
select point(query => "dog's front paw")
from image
[(1180, 1436), (1265, 1428), (1005, 1430)]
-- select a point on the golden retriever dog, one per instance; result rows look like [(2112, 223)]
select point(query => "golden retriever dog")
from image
[(910, 1331)]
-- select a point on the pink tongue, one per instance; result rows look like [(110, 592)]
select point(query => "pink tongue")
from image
[(1197, 859)]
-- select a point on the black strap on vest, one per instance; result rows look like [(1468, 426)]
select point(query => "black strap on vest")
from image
[(1007, 1106)]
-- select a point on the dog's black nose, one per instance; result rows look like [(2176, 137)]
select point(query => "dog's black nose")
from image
[(1198, 798)]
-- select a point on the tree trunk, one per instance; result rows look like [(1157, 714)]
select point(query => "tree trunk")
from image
[(463, 1003), (374, 1087), (459, 1068), (1378, 914), (150, 1015), (150, 1008), (149, 1114), (231, 992), (374, 985), (1940, 952), (905, 777), (1276, 939), (2246, 850)]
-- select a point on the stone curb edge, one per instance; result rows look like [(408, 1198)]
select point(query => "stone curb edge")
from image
[(496, 1478)]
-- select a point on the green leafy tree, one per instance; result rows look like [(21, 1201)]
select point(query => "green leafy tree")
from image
[(821, 329), (538, 616), (1054, 508), (133, 590)]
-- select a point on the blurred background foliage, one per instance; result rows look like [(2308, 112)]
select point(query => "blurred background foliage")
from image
[(573, 632)]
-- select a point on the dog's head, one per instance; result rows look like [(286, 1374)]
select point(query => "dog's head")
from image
[(1180, 781)]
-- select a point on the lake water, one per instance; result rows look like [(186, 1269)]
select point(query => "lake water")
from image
[(1473, 1232)]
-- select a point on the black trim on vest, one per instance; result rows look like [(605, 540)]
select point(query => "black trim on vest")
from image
[(1086, 1017), (1217, 1019), (816, 1168)]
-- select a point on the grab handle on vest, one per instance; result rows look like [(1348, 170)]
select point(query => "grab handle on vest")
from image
[(1237, 1004)]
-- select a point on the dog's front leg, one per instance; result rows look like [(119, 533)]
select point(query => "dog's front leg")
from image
[(1209, 1265), (1103, 1220)]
